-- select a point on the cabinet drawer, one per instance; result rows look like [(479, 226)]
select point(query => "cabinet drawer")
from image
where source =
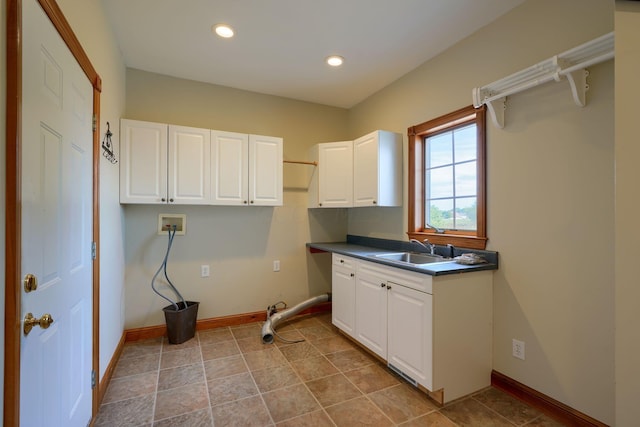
[(411, 279), (343, 261)]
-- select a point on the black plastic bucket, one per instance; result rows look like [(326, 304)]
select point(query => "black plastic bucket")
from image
[(181, 324)]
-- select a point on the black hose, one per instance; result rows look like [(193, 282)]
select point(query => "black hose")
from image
[(163, 267)]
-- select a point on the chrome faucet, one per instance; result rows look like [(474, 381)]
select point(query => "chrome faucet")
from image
[(425, 244)]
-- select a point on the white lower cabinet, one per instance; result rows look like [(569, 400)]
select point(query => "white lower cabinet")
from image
[(343, 293), (435, 331), (371, 311), (409, 314)]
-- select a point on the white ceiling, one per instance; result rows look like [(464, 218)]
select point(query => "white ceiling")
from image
[(280, 45)]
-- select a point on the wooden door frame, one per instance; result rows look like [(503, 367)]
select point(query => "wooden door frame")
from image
[(13, 226)]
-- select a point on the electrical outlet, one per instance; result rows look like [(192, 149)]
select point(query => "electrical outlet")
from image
[(517, 348), (169, 221), (276, 265), (204, 271)]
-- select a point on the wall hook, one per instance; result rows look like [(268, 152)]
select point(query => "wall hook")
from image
[(107, 147)]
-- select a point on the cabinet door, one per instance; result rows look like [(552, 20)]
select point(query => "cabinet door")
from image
[(229, 168), (371, 312), (189, 165), (343, 294), (410, 333), (265, 170), (377, 169), (365, 170), (143, 162), (335, 174)]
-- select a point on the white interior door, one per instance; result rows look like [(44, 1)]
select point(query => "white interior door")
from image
[(55, 363)]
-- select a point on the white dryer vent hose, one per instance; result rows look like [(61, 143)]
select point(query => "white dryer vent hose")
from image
[(268, 329)]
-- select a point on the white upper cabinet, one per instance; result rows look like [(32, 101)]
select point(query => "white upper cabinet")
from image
[(265, 170), (246, 169), (189, 165), (162, 163), (230, 168), (377, 169), (143, 162), (364, 172), (332, 181)]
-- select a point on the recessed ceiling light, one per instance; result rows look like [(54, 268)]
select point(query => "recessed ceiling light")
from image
[(223, 30), (335, 60)]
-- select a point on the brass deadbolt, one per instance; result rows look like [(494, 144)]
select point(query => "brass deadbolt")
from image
[(30, 283)]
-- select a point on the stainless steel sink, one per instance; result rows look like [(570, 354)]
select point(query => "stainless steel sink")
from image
[(411, 258)]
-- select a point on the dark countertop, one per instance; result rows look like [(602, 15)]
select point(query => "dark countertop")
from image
[(366, 248)]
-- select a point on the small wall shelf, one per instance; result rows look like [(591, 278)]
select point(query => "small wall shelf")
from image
[(571, 64)]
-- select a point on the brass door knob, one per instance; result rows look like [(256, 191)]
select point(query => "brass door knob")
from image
[(30, 322)]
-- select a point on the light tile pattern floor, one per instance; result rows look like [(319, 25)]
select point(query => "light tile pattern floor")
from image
[(228, 377)]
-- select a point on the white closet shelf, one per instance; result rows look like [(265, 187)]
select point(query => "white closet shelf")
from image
[(571, 64)]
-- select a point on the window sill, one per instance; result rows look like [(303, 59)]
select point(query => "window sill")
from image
[(457, 240)]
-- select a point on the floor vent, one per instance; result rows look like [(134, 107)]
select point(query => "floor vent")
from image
[(403, 375)]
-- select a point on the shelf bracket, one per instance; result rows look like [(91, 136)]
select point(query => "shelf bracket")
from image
[(579, 87), (496, 110)]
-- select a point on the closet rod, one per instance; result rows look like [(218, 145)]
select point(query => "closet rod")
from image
[(301, 162)]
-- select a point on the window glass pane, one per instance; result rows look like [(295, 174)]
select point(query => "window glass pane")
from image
[(440, 213), (466, 179), (465, 143), (466, 214), (439, 149), (440, 182)]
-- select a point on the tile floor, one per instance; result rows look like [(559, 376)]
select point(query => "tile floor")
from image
[(227, 377)]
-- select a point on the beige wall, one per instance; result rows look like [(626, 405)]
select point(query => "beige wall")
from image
[(627, 207), (550, 194), (89, 23), (239, 243), (554, 288)]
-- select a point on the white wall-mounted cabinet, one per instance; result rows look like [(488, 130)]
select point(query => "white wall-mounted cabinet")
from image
[(332, 181), (189, 165), (163, 163), (360, 173), (246, 169), (434, 330), (377, 169), (230, 168), (265, 170)]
